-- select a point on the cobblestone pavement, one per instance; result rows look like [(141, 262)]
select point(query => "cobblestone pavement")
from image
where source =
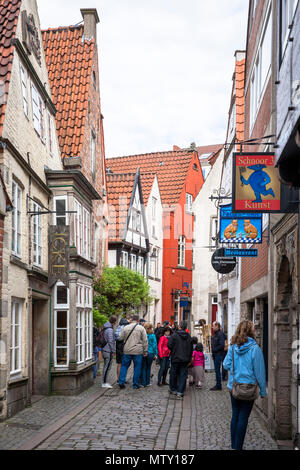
[(148, 419)]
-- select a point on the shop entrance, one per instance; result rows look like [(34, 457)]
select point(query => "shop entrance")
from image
[(40, 347)]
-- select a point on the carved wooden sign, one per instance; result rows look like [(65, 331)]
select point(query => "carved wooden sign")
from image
[(59, 254), (31, 36)]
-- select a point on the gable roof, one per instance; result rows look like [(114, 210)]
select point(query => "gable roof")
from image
[(69, 60), (119, 192), (170, 167), (9, 15)]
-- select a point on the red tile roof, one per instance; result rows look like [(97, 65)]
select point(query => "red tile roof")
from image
[(147, 180), (9, 14), (240, 98), (170, 167), (69, 60), (119, 192)]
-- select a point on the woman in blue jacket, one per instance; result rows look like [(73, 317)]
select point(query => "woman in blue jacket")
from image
[(249, 368), (152, 354)]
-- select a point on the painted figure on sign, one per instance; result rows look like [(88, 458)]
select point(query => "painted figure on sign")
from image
[(250, 230), (258, 182), (230, 231)]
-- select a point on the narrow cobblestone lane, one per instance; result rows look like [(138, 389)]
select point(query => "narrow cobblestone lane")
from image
[(147, 419)]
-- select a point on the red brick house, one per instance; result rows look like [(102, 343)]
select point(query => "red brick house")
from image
[(180, 179)]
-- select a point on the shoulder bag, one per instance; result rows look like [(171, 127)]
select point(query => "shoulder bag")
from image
[(246, 392), (121, 347)]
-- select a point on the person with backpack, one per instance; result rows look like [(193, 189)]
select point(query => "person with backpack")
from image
[(135, 348), (108, 346), (247, 379), (119, 343), (95, 350), (181, 347)]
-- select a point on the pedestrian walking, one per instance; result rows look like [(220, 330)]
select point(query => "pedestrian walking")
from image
[(156, 331), (152, 354), (218, 343), (190, 370), (198, 363), (95, 350), (247, 379), (181, 347), (108, 350), (164, 355), (119, 343), (135, 347)]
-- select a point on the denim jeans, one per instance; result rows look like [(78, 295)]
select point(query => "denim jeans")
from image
[(126, 361), (146, 369), (241, 411), (178, 376), (218, 362), (95, 368), (163, 370)]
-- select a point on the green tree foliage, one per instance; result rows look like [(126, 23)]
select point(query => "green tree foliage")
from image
[(119, 290), (99, 318)]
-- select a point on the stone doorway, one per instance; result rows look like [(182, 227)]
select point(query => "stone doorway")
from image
[(40, 347)]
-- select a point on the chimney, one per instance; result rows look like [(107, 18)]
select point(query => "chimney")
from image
[(91, 19)]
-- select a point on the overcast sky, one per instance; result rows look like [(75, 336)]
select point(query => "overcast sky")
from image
[(166, 68)]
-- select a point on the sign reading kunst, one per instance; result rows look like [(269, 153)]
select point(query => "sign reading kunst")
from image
[(256, 187), (59, 254)]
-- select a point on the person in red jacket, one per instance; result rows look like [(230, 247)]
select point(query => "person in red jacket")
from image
[(164, 354)]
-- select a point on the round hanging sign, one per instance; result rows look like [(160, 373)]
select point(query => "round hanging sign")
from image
[(221, 263)]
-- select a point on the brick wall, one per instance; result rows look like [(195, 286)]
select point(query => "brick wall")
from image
[(254, 269)]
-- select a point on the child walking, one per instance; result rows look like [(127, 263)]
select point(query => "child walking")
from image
[(198, 363), (190, 370), (164, 354)]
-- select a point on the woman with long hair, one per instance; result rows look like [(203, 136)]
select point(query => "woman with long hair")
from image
[(246, 364), (152, 354)]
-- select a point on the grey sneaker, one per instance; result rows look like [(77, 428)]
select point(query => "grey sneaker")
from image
[(172, 393), (179, 396)]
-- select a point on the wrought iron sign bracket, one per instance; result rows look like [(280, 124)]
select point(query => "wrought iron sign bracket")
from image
[(46, 211)]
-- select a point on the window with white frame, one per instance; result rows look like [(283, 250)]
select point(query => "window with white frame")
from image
[(124, 259), (16, 219), (261, 69), (132, 262), (38, 112), (24, 89), (50, 134), (37, 235), (84, 323), (16, 340), (61, 325), (287, 10), (140, 265), (82, 230), (96, 241), (93, 152), (60, 207), (181, 251), (189, 202), (136, 220)]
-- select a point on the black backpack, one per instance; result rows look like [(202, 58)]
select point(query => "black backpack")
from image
[(100, 339)]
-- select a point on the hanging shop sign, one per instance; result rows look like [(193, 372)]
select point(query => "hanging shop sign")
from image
[(239, 227), (184, 301), (222, 264), (256, 187), (59, 254), (241, 253)]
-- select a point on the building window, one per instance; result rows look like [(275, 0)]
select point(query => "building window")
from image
[(24, 89), (132, 262), (60, 208), (124, 259), (84, 324), (61, 328), (287, 10), (37, 235), (189, 203), (93, 152), (140, 265), (16, 340), (181, 251), (82, 230), (136, 220), (16, 219), (50, 134), (261, 69), (38, 112), (154, 259)]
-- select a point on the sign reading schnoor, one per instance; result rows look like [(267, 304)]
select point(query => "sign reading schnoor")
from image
[(256, 186)]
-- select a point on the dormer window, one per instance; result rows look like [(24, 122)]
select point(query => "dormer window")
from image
[(94, 80)]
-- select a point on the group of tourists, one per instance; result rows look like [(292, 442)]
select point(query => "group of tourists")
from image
[(175, 351)]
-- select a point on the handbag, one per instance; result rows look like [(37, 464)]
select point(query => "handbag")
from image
[(245, 392)]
